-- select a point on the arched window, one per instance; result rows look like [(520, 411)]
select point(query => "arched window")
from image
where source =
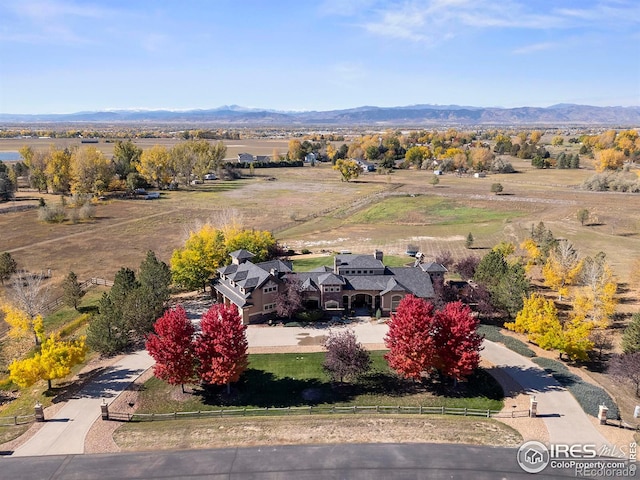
[(331, 304)]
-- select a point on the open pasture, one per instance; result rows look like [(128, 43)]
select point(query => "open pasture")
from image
[(311, 208), (234, 147)]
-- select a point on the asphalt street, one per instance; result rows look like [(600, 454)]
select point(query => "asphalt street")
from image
[(300, 462)]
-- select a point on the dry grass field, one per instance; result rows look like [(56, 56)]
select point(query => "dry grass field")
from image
[(250, 145), (311, 208)]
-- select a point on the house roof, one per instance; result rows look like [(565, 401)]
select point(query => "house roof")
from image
[(242, 254), (433, 267), (277, 265), (233, 295), (330, 279), (358, 261), (414, 280)]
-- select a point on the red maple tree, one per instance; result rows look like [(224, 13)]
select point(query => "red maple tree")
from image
[(411, 347), (172, 347), (421, 340), (457, 341), (221, 348)]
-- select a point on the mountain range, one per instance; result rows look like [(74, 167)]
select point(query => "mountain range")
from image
[(413, 115)]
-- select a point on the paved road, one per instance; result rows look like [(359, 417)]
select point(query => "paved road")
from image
[(370, 461), (65, 432)]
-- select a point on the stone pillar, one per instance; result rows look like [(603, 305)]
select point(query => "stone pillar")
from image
[(602, 414), (104, 409), (533, 407), (39, 412)]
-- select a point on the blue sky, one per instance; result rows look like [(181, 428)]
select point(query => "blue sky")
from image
[(62, 56)]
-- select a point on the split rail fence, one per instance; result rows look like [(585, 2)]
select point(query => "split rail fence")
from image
[(306, 410)]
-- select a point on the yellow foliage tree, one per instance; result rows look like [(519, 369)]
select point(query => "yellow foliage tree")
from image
[(532, 253), (58, 170), (21, 325), (609, 159), (195, 263), (539, 320), (575, 340), (596, 300), (562, 268), (348, 169), (504, 248), (55, 360), (259, 242), (155, 164), (91, 170)]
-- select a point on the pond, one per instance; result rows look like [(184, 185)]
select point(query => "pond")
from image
[(10, 156)]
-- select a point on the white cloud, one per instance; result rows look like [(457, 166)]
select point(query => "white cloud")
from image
[(431, 21)]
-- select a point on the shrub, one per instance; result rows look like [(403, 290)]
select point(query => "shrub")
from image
[(306, 251), (589, 396), (310, 315), (74, 215), (52, 214), (87, 211)]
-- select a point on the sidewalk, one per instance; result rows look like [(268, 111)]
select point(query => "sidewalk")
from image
[(66, 431)]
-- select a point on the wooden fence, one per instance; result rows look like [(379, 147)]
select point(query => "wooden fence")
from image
[(58, 302), (17, 420), (306, 410)]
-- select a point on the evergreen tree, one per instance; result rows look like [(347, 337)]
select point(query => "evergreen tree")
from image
[(631, 335), (108, 332), (72, 291), (123, 284), (155, 276), (8, 267)]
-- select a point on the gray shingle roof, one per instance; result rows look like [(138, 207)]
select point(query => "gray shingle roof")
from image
[(433, 267), (358, 261), (330, 279), (242, 254)]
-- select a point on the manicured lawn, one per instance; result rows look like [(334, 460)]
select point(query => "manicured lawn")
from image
[(282, 380)]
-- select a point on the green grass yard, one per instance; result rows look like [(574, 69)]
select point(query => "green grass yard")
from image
[(282, 380)]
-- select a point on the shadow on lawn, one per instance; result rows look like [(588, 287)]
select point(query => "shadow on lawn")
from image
[(261, 389)]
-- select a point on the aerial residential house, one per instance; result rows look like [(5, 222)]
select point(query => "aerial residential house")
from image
[(356, 282), (251, 287), (246, 158), (310, 158), (263, 158)]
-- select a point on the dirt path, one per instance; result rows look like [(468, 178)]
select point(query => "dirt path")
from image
[(95, 231)]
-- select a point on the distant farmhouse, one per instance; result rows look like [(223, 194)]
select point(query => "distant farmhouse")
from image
[(355, 282), (249, 158)]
